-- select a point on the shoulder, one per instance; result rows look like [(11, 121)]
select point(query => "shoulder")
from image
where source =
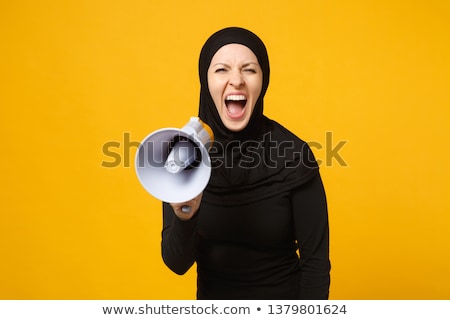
[(289, 144), (281, 133)]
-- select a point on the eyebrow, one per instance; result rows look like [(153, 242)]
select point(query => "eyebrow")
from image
[(227, 65), (249, 63)]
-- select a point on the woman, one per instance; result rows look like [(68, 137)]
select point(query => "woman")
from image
[(260, 228)]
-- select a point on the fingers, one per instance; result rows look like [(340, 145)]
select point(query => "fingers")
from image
[(186, 210)]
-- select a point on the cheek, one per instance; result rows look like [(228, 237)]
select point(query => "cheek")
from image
[(215, 90), (256, 89), (215, 96), (259, 85)]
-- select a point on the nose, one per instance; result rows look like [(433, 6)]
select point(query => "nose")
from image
[(236, 79)]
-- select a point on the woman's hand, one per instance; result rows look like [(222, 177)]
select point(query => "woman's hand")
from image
[(186, 210)]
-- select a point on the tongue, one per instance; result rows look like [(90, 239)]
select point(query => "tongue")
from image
[(235, 107)]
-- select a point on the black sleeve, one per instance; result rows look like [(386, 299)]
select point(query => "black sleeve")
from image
[(179, 241), (312, 233)]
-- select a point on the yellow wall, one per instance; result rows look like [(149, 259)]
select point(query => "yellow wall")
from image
[(76, 75)]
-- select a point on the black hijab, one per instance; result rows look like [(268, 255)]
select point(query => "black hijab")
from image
[(262, 160)]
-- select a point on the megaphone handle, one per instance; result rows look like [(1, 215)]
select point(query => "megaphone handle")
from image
[(186, 209)]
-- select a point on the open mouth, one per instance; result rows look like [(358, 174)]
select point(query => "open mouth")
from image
[(235, 104)]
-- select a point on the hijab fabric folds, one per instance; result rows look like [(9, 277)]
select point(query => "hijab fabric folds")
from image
[(262, 160)]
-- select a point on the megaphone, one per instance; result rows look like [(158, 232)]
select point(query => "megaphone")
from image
[(173, 165)]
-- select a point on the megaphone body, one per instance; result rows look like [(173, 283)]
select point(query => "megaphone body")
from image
[(173, 165)]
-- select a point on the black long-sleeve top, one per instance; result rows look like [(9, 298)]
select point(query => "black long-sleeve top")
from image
[(277, 248)]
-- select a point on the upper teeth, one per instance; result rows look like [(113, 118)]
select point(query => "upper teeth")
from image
[(236, 97)]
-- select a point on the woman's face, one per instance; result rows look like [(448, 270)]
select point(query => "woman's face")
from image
[(235, 83)]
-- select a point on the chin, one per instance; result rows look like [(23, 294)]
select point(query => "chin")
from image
[(236, 127)]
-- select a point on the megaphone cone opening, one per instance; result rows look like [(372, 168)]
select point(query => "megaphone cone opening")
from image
[(152, 155), (196, 156)]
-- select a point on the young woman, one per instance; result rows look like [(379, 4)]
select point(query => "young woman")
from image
[(260, 228)]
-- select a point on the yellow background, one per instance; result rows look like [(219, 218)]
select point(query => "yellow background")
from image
[(76, 75)]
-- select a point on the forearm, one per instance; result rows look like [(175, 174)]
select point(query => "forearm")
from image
[(312, 230), (179, 241), (315, 281)]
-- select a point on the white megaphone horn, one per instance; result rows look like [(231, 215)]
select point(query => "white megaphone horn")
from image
[(173, 165)]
